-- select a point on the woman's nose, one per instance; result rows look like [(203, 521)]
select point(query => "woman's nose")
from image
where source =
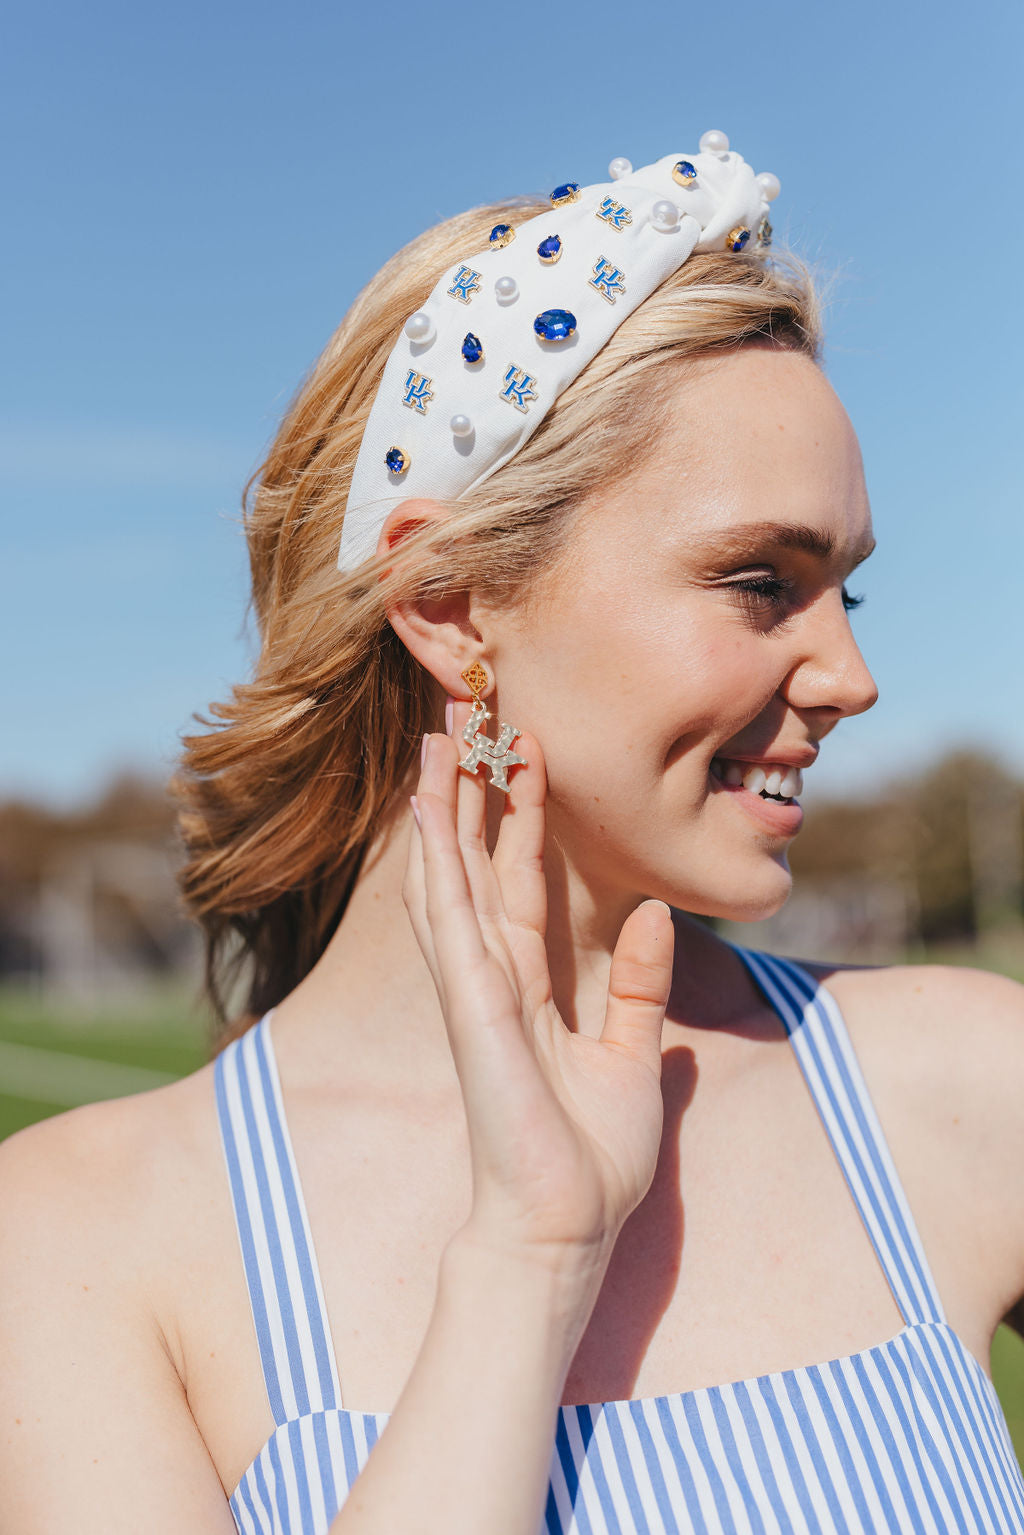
[(831, 672)]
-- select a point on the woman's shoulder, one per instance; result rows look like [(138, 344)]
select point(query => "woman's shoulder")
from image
[(98, 1209), (947, 1038), (950, 1036), (938, 1016), (113, 1145), (106, 1187), (942, 1050)]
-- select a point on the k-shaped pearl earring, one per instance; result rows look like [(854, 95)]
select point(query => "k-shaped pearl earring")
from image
[(497, 755)]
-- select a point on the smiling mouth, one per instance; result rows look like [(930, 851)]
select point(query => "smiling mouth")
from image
[(774, 781)]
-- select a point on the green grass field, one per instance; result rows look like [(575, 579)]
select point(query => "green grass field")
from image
[(53, 1059)]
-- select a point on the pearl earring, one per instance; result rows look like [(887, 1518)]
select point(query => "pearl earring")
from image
[(497, 755)]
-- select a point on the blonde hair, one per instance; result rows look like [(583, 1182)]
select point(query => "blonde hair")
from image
[(295, 775)]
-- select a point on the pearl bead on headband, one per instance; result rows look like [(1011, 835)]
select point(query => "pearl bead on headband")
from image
[(505, 331)]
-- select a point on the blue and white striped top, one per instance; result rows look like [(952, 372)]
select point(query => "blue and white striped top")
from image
[(906, 1436)]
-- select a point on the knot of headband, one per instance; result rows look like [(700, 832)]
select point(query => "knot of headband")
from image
[(506, 330)]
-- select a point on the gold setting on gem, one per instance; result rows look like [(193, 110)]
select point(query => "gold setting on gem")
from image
[(680, 177)]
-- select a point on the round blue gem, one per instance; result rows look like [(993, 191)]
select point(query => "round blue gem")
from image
[(550, 249), (472, 347), (685, 172), (555, 325), (395, 460), (568, 192)]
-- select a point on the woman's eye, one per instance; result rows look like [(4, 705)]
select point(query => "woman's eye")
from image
[(775, 589), (766, 588)]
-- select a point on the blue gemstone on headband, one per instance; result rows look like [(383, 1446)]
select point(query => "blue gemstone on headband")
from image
[(738, 238), (684, 172), (568, 192), (472, 347), (395, 460), (550, 249), (502, 235), (555, 325)]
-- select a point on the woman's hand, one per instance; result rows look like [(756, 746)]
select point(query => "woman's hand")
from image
[(564, 1128)]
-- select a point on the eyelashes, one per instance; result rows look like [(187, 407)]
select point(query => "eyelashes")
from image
[(767, 588), (777, 589)]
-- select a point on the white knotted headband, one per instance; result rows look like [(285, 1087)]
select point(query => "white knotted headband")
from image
[(507, 329)]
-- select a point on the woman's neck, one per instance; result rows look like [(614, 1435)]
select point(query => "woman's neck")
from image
[(370, 1001)]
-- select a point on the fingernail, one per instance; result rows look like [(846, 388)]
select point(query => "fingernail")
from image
[(423, 750), (416, 811), (449, 715)]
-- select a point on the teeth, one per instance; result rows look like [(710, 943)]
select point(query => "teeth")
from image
[(776, 778)]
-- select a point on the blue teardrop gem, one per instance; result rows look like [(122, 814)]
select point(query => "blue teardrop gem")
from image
[(740, 240), (395, 460), (549, 250), (568, 192), (472, 347), (555, 325), (502, 235), (684, 172)]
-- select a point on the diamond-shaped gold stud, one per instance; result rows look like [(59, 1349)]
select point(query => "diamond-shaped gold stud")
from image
[(475, 678)]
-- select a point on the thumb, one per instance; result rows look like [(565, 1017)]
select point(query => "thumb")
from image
[(639, 984)]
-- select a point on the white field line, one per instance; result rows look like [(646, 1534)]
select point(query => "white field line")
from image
[(53, 1076)]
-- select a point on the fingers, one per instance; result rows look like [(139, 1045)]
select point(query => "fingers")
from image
[(450, 869), (414, 894), (476, 983), (450, 909), (639, 982), (519, 851), (471, 818), (512, 872)]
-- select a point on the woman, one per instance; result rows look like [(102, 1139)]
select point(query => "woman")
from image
[(521, 1166)]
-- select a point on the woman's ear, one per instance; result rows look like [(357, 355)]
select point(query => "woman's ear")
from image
[(438, 632)]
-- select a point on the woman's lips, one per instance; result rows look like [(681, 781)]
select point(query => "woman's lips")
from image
[(786, 820)]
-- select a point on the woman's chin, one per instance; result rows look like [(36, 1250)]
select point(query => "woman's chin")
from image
[(757, 900)]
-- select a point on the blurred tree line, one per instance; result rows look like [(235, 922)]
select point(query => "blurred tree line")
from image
[(88, 901), (949, 838)]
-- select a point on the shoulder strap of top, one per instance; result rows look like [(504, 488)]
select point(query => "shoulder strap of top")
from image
[(819, 1036), (292, 1330)]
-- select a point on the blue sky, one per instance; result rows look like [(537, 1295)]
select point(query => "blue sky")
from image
[(198, 192)]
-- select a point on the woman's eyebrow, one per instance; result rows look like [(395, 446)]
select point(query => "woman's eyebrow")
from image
[(753, 538)]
